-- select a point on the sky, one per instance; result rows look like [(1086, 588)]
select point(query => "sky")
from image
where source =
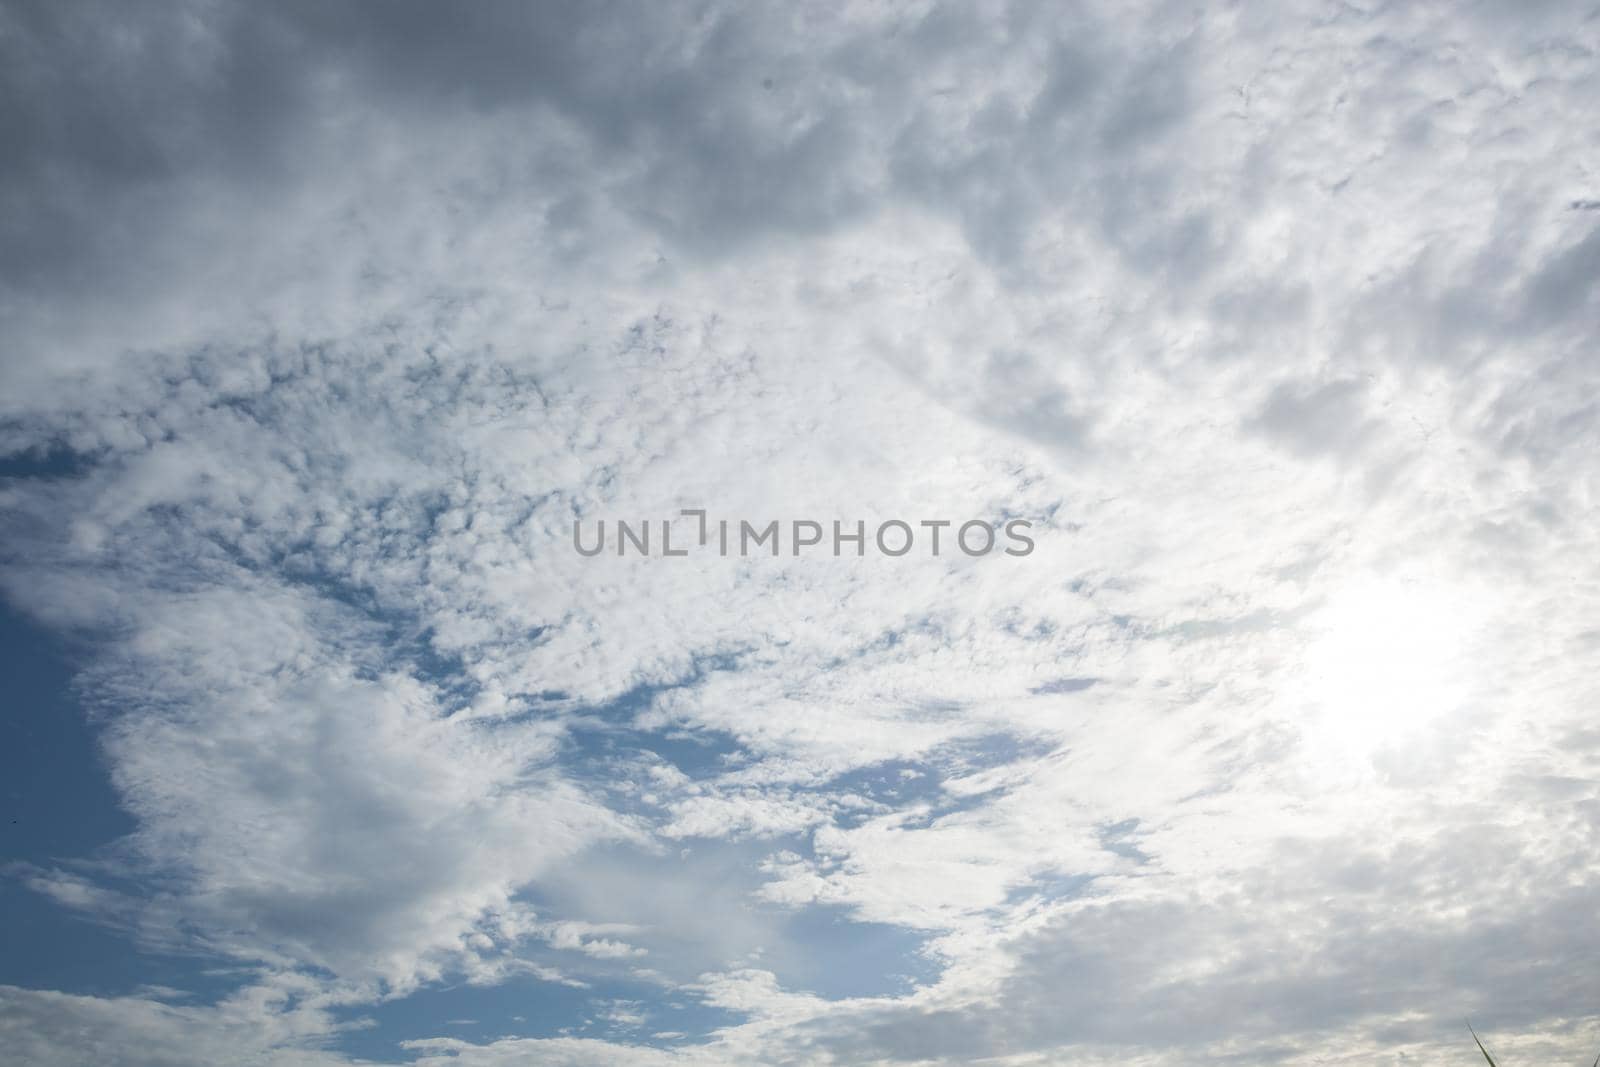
[(322, 327)]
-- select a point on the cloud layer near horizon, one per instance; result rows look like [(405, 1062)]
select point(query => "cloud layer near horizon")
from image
[(1278, 323)]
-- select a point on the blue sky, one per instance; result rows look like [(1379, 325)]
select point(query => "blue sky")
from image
[(321, 326)]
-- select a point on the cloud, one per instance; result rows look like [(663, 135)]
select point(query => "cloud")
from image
[(334, 320), (56, 1028)]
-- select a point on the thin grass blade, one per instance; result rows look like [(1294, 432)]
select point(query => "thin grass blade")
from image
[(1486, 1051)]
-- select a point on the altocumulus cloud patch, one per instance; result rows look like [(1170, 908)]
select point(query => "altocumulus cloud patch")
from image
[(1262, 339)]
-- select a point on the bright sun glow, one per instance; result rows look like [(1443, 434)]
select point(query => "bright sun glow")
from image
[(1388, 659)]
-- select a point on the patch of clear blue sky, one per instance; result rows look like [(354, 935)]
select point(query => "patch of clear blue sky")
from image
[(60, 809), (529, 1007)]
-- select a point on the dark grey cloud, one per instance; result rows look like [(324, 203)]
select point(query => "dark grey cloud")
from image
[(118, 119)]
